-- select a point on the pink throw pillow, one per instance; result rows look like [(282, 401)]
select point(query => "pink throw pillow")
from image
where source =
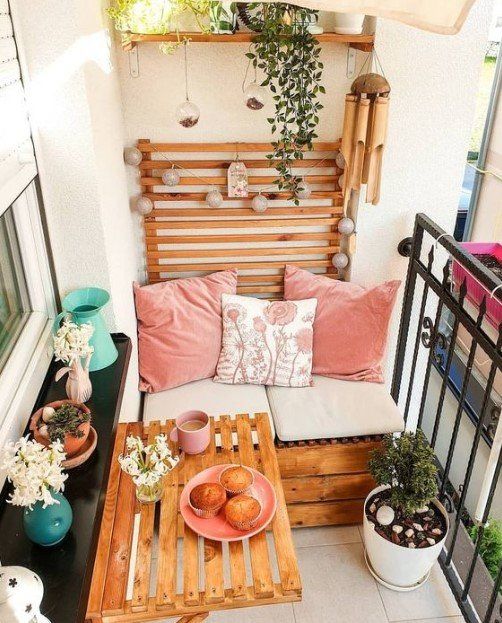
[(351, 323), (266, 343), (180, 329)]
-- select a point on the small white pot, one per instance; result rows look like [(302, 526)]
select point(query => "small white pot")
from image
[(398, 567), (349, 23)]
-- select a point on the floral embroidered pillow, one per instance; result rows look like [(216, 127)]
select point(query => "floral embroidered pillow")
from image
[(266, 343)]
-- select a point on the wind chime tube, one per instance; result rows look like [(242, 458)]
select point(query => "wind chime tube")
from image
[(361, 130), (347, 142), (374, 155)]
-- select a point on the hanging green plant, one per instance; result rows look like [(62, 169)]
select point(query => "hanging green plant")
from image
[(289, 56), (158, 17)]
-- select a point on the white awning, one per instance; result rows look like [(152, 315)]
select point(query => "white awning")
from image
[(441, 16)]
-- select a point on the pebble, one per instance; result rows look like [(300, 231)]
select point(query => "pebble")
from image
[(397, 529), (409, 533), (431, 541), (417, 527), (437, 531), (48, 413), (411, 545), (423, 544), (385, 515), (395, 539), (373, 508), (423, 510)]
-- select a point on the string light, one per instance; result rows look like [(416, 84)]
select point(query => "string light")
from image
[(214, 198), (303, 190), (171, 177), (144, 205), (132, 156), (340, 260), (346, 226), (259, 203)]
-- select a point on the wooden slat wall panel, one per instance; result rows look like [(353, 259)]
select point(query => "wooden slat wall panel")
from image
[(182, 226)]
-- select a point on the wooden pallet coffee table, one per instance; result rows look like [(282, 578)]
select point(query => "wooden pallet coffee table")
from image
[(155, 596)]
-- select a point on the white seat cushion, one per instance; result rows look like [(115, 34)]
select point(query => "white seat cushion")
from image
[(215, 399), (333, 408)]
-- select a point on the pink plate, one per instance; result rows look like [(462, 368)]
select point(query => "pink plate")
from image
[(217, 528)]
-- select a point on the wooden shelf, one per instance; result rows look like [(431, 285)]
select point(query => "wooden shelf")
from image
[(359, 42)]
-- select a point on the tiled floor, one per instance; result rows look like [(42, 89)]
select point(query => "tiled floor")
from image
[(337, 587)]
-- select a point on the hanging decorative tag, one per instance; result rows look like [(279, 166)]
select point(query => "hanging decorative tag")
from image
[(237, 179)]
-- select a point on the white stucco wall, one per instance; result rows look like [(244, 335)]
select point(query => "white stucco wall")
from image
[(434, 84)]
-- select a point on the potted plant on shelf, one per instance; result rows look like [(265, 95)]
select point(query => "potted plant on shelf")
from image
[(404, 524), (36, 474), (71, 346), (62, 421)]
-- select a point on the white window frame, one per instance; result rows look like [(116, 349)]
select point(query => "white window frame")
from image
[(26, 367)]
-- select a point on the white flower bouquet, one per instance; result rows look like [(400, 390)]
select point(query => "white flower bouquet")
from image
[(71, 342), (35, 471), (147, 465)]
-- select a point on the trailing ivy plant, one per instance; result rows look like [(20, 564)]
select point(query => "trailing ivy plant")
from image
[(289, 56)]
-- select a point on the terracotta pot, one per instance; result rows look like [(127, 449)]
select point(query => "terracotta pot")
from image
[(71, 444)]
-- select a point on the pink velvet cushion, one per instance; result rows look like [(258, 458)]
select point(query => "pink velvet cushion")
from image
[(351, 323), (180, 329)]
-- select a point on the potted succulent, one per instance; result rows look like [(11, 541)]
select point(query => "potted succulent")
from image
[(65, 421), (404, 524)]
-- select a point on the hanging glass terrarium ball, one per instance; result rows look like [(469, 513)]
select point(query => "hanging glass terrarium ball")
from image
[(346, 226), (214, 198), (144, 205), (254, 96), (303, 190), (133, 156), (187, 114), (259, 203), (171, 177), (340, 260)]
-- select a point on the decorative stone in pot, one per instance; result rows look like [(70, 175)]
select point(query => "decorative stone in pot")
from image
[(21, 593), (348, 23), (395, 566)]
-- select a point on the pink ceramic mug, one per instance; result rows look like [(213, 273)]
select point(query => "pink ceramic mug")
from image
[(192, 438)]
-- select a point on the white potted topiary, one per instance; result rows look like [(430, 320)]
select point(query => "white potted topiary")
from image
[(405, 526)]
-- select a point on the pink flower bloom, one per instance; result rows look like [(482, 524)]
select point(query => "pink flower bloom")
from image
[(281, 312), (259, 325), (304, 339), (233, 314)]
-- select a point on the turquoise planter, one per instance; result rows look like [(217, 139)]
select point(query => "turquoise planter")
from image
[(48, 526), (83, 306)]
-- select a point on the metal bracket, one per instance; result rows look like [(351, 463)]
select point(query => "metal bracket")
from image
[(134, 62), (351, 62)]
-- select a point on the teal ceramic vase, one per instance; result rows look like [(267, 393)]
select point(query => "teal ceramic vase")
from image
[(83, 306), (48, 526)]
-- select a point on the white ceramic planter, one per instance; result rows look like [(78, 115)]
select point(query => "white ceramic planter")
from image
[(349, 23), (399, 567)]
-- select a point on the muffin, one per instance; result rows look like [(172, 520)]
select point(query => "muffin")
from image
[(242, 512), (236, 479), (207, 499)]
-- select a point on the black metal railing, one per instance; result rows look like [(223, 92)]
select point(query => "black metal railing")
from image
[(442, 389)]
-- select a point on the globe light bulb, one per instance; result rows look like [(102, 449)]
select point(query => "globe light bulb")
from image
[(171, 177), (259, 203), (132, 156), (303, 190), (255, 96), (340, 260), (214, 198), (340, 160), (346, 226), (187, 114), (144, 205)]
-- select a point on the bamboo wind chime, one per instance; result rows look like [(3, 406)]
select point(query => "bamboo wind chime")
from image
[(364, 134)]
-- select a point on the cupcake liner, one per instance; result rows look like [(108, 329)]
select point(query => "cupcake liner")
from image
[(233, 492), (245, 526), (205, 514)]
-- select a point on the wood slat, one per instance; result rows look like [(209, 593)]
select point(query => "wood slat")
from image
[(285, 551), (107, 521), (235, 548), (154, 241), (335, 195), (249, 212), (325, 513), (260, 561), (183, 268), (148, 147), (213, 551), (191, 594), (304, 222), (168, 544), (250, 164), (221, 180), (144, 552), (328, 487), (120, 550), (259, 251)]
